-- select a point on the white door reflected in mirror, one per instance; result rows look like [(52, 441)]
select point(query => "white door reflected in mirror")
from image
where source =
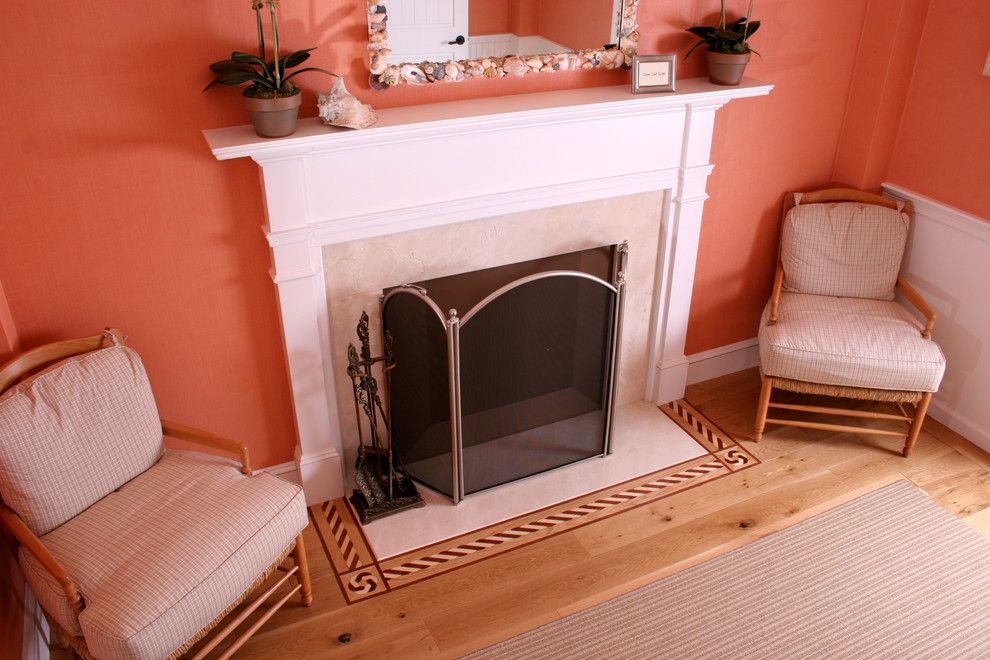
[(429, 30)]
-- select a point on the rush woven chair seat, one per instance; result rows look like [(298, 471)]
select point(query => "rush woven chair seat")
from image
[(134, 551), (833, 325)]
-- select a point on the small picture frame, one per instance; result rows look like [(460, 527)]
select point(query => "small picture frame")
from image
[(653, 73)]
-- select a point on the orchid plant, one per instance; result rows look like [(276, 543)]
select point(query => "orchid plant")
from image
[(267, 78), (727, 38)]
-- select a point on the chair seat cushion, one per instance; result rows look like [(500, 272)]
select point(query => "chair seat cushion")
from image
[(850, 342), (160, 558)]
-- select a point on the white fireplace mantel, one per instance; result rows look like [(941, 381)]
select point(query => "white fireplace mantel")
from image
[(429, 165)]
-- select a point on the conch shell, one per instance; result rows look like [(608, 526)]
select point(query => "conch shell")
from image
[(338, 107)]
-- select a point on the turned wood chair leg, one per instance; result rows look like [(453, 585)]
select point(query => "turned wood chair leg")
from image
[(764, 405), (919, 418), (299, 555)]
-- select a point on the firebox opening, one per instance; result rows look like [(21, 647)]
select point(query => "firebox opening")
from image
[(520, 384)]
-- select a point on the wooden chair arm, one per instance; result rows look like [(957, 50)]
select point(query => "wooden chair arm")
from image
[(33, 545), (207, 439), (920, 304), (28, 361), (778, 285)]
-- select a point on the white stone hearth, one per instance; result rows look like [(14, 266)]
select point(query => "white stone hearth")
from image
[(646, 441), (443, 186)]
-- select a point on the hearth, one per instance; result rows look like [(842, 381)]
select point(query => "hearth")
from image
[(505, 372)]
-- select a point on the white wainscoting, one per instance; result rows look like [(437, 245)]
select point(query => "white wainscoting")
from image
[(497, 45), (948, 261)]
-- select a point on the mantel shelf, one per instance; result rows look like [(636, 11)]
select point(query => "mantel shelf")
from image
[(313, 136)]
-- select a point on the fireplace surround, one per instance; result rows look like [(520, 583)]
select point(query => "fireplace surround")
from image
[(590, 156)]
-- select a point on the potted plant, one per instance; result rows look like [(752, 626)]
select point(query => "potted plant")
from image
[(728, 47), (272, 101)]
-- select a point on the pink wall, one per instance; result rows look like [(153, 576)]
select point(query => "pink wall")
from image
[(115, 212), (763, 148), (887, 54), (944, 139), (577, 24), (488, 18)]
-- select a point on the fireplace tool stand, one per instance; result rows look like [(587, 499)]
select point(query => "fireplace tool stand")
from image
[(384, 487)]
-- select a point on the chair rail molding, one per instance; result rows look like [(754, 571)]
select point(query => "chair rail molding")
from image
[(948, 260), (426, 166)]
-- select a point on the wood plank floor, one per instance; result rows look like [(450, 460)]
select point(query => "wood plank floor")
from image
[(801, 473)]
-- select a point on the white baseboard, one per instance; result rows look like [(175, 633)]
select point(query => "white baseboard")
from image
[(961, 424), (288, 471), (723, 360)]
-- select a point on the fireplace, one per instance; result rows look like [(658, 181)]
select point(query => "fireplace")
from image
[(521, 380), (332, 195)]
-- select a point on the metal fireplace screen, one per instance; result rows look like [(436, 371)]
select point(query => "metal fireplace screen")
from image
[(522, 383)]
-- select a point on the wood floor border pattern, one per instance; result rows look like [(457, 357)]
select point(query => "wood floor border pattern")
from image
[(361, 575), (404, 570)]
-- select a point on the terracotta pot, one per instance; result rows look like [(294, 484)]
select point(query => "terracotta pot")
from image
[(726, 68), (274, 117)]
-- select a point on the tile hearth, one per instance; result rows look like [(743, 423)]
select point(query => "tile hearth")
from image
[(658, 452)]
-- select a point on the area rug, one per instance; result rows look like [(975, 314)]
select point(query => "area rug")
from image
[(890, 574), (362, 575)]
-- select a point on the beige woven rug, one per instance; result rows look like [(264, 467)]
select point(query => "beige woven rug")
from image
[(887, 575)]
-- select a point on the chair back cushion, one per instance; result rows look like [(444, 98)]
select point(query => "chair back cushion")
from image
[(74, 433), (844, 249)]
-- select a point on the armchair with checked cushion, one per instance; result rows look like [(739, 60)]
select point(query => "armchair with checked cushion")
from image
[(132, 550), (833, 327)]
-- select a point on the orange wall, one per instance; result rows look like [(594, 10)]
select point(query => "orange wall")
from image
[(116, 213), (763, 148), (577, 24), (943, 145), (880, 84), (488, 18)]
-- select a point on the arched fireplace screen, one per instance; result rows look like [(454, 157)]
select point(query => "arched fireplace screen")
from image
[(522, 383)]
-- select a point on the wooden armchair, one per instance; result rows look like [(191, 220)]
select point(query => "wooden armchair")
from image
[(833, 327), (134, 551)]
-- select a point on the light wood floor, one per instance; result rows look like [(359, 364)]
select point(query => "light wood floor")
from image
[(801, 472)]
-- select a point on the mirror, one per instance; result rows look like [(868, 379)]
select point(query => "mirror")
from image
[(424, 41)]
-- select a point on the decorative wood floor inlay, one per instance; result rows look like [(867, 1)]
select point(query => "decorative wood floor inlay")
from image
[(361, 575)]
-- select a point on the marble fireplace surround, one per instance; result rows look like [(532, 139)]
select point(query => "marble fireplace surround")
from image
[(432, 188)]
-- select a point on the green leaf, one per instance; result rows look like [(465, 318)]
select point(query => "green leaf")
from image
[(295, 59), (228, 65), (703, 32), (238, 56), (310, 68), (235, 78), (728, 35)]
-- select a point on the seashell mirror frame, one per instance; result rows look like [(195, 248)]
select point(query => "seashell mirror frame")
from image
[(383, 75)]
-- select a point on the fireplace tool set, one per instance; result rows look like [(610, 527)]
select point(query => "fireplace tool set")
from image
[(384, 487)]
